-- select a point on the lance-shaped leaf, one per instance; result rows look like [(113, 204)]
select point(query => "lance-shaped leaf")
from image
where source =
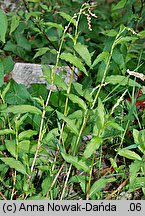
[(41, 51), (141, 34), (11, 147), (119, 5), (122, 80), (100, 114), (74, 61), (3, 26), (14, 23), (99, 185), (133, 171), (92, 146), (67, 17), (17, 165), (27, 134), (79, 164), (70, 123), (84, 53), (114, 125), (125, 39), (101, 57), (79, 101), (129, 154), (20, 109), (51, 135), (55, 25), (7, 131)]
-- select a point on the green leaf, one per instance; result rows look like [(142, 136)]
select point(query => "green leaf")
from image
[(5, 90), (47, 72), (24, 146), (10, 46), (101, 57), (22, 119), (79, 88), (118, 57), (70, 123), (81, 180), (67, 17), (134, 168), (1, 73), (11, 147), (7, 131), (17, 165), (114, 125), (3, 26), (98, 118), (41, 51), (92, 146), (121, 80), (55, 25), (17, 94), (120, 5), (46, 185), (8, 64), (76, 99), (27, 134), (79, 164), (74, 60), (84, 53), (100, 114), (22, 42), (14, 23), (113, 163), (34, 1), (20, 109), (99, 185), (110, 33), (59, 82), (51, 135), (35, 14), (141, 34), (139, 138), (129, 154), (136, 136), (76, 115), (138, 183), (125, 39)]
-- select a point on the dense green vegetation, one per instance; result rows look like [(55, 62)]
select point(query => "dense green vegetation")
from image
[(87, 140)]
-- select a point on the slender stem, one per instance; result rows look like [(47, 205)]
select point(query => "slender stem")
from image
[(66, 105), (17, 152), (48, 98), (90, 177), (100, 161), (81, 130), (56, 177), (65, 184), (40, 130), (106, 68)]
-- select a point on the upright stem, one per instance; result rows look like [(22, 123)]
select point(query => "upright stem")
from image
[(65, 184), (106, 68), (40, 130), (17, 152), (48, 98), (90, 177), (84, 121)]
